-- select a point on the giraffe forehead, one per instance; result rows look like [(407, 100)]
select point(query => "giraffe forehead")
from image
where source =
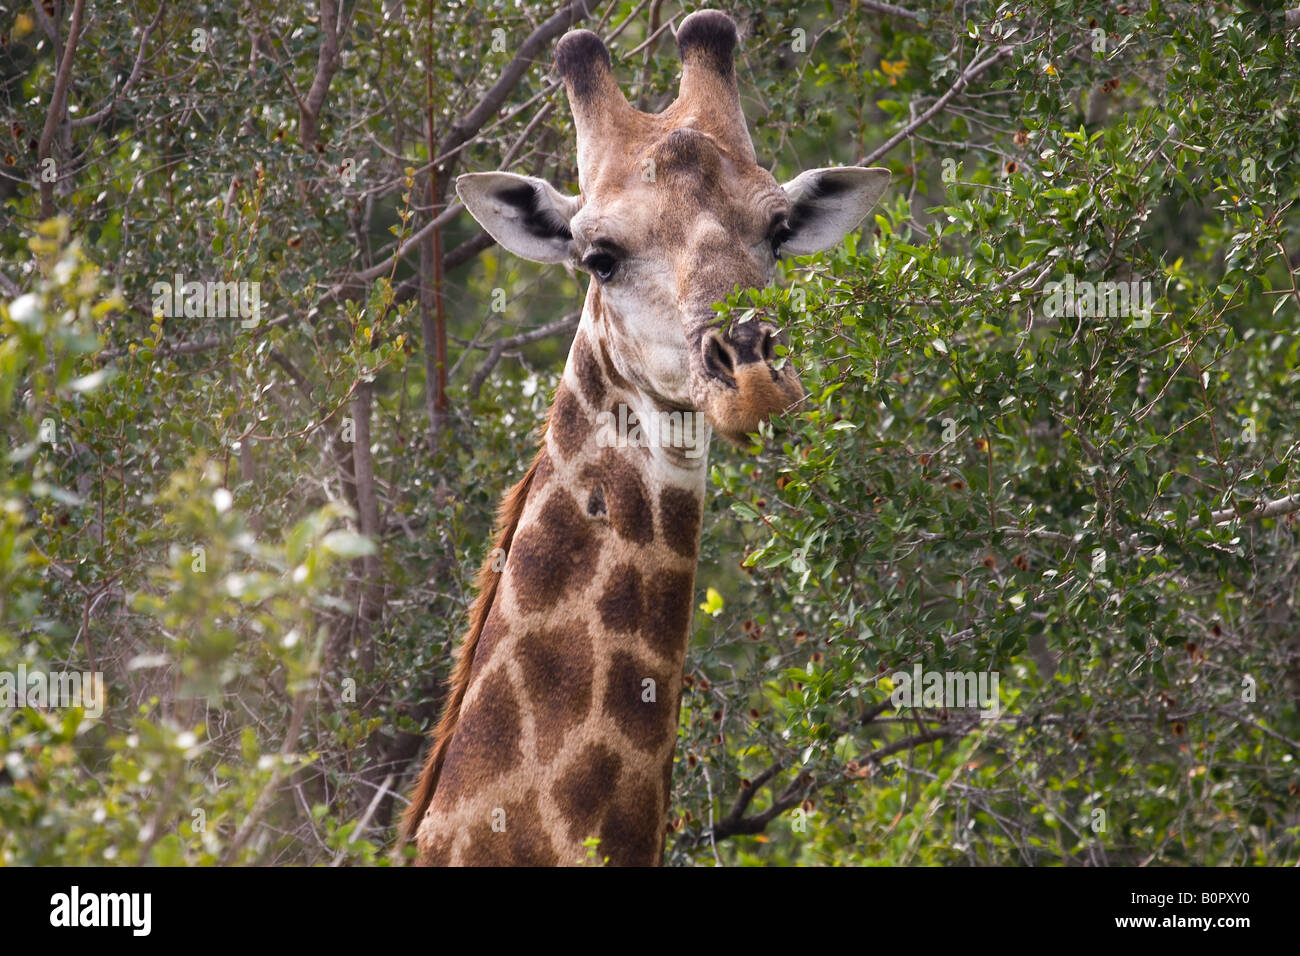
[(697, 187), (688, 154)]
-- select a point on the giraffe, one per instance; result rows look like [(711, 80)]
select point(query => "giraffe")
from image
[(562, 712)]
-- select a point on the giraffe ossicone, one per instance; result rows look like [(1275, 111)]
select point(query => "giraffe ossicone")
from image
[(562, 715)]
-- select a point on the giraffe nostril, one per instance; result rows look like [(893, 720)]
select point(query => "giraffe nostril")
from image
[(717, 357)]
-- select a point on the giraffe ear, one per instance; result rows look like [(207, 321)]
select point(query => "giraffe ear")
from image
[(827, 204), (525, 214)]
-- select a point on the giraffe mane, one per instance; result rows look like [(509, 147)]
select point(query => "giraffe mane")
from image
[(512, 507)]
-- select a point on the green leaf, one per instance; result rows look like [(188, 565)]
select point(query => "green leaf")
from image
[(713, 603), (347, 544)]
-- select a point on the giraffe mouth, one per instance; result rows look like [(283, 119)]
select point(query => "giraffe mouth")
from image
[(736, 382), (667, 405), (736, 411)]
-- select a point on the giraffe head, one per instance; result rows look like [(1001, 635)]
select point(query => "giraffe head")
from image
[(674, 214)]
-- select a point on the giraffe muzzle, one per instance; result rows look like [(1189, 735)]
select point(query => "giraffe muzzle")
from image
[(743, 344), (741, 382)]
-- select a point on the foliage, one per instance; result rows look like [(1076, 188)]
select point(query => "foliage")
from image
[(977, 483)]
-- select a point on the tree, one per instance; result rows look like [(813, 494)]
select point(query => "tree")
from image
[(1050, 434)]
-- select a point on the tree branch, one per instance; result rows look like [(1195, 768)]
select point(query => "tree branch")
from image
[(746, 797), (194, 347), (889, 8), (467, 250), (469, 124), (48, 26), (327, 62), (107, 108), (736, 823), (58, 102), (369, 588), (263, 801), (1265, 509), (498, 348), (461, 132), (976, 67)]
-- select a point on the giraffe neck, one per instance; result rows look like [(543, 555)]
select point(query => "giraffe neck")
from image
[(568, 722)]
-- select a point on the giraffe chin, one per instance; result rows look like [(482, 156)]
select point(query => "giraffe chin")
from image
[(759, 393)]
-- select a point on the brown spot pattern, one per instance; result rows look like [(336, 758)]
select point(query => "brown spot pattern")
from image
[(486, 742), (680, 518), (523, 842), (545, 469), (551, 554), (626, 498), (611, 371), (566, 423), (589, 373), (630, 834), (494, 632), (438, 853), (622, 605), (645, 723), (557, 668), (584, 788), (668, 611)]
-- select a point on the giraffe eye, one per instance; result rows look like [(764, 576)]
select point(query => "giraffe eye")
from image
[(781, 234), (601, 264)]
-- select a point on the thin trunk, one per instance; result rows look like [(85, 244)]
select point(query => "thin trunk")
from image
[(433, 323), (54, 116), (370, 588)]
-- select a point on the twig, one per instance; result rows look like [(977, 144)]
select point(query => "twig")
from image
[(263, 800), (736, 823), (498, 348), (976, 67), (1265, 509), (58, 102), (107, 108), (708, 785), (196, 346), (889, 9), (365, 819), (1260, 727), (327, 63), (465, 127)]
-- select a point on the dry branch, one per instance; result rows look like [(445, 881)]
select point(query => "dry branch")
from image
[(103, 111), (58, 103), (976, 67)]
